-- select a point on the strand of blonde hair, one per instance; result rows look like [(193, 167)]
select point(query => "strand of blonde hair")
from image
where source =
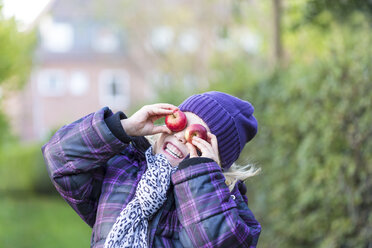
[(242, 173)]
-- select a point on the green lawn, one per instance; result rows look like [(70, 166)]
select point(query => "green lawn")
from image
[(27, 222)]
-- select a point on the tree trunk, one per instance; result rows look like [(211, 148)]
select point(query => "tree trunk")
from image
[(278, 49)]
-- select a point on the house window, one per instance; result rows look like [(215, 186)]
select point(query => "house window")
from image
[(105, 41), (114, 89), (79, 83), (162, 38), (56, 37), (51, 82)]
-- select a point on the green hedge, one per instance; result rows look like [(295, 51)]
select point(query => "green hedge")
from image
[(22, 169), (41, 222), (314, 142)]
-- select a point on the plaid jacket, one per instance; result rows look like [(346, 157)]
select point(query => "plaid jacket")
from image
[(97, 174)]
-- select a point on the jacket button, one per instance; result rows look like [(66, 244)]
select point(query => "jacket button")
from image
[(233, 197)]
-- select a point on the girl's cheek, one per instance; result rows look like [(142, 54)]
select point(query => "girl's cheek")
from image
[(159, 143)]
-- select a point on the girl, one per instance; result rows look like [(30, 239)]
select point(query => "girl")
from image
[(169, 194)]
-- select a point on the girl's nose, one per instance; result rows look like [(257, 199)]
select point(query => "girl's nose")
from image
[(180, 136)]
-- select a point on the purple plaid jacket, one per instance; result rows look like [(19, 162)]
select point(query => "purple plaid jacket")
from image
[(97, 175)]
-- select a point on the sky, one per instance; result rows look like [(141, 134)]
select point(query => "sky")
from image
[(25, 11)]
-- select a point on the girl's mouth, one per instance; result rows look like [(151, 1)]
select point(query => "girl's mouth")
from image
[(173, 151)]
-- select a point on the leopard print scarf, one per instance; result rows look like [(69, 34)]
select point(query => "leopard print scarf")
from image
[(130, 228)]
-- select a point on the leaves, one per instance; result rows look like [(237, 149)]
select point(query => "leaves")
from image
[(314, 142), (16, 53)]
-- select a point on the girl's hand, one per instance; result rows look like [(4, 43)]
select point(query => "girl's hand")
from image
[(208, 149), (141, 123)]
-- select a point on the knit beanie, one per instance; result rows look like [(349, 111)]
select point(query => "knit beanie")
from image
[(229, 118)]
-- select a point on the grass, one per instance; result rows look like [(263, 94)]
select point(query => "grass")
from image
[(27, 222)]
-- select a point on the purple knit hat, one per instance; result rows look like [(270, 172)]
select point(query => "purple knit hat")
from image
[(229, 118)]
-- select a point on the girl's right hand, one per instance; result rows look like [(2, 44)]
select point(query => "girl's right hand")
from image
[(141, 123)]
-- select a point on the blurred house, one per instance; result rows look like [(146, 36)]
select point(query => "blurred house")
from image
[(81, 64), (116, 53)]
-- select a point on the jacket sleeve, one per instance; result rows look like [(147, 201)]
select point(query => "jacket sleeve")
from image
[(76, 157), (210, 214)]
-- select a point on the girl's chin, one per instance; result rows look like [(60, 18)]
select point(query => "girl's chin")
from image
[(173, 161)]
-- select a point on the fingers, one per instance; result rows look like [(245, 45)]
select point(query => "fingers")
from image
[(203, 145), (142, 122), (212, 139), (165, 106), (161, 129), (192, 150), (208, 148), (160, 109), (155, 117)]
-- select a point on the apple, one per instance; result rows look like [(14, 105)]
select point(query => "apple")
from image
[(176, 121), (195, 130)]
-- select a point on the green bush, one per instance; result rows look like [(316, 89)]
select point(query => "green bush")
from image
[(22, 169), (41, 222), (314, 142)]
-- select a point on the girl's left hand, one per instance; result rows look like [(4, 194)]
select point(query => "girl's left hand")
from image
[(208, 149)]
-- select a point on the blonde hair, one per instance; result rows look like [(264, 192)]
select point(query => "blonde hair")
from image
[(237, 172)]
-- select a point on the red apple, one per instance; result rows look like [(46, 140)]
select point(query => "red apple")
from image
[(176, 121), (195, 130)]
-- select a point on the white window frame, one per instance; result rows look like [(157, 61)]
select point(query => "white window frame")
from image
[(162, 38), (43, 82), (105, 41), (121, 100), (57, 37), (75, 76)]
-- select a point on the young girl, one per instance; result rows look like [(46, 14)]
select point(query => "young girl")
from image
[(134, 194)]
